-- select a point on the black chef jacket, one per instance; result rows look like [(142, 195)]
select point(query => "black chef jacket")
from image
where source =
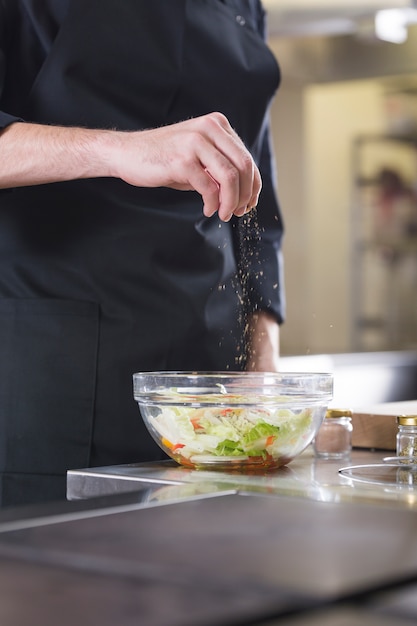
[(99, 279)]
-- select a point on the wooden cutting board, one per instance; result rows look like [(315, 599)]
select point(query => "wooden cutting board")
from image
[(376, 426)]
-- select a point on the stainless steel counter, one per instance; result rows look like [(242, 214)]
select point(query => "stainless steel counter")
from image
[(362, 379), (305, 477)]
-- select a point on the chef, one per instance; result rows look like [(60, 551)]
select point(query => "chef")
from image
[(133, 139)]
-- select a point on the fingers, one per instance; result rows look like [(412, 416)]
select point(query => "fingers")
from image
[(226, 190), (234, 188), (231, 167)]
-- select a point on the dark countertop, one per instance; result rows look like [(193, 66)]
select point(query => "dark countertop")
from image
[(302, 546), (223, 559)]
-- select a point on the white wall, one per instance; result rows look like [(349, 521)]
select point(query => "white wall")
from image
[(313, 129), (289, 138)]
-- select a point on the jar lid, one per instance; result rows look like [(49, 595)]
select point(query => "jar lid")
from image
[(338, 413), (407, 420)]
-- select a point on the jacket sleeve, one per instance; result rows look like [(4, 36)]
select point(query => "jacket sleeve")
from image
[(259, 235), (5, 117)]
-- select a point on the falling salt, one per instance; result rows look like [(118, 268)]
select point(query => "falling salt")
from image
[(249, 233)]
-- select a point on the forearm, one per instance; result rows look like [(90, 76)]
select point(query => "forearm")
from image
[(263, 343), (34, 154)]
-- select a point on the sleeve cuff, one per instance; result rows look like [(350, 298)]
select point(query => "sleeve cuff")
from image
[(6, 119)]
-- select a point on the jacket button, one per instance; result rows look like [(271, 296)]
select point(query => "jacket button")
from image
[(240, 20)]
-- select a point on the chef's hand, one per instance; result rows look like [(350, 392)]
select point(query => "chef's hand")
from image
[(263, 343), (202, 154)]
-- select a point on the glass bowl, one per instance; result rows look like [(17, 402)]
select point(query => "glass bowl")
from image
[(232, 420)]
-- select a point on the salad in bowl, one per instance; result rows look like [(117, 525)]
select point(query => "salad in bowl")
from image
[(232, 420)]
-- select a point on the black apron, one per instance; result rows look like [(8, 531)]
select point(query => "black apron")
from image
[(99, 279)]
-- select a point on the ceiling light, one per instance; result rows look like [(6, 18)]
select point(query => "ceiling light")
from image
[(391, 24)]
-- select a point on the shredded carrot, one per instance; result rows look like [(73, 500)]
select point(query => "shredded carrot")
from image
[(172, 446), (195, 421)]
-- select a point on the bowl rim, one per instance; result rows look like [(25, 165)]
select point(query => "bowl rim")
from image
[(182, 387), (230, 374)]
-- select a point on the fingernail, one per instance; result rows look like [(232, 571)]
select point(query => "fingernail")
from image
[(207, 212)]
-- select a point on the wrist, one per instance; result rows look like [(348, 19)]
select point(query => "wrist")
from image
[(263, 342), (98, 151)]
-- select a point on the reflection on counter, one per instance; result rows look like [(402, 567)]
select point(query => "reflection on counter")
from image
[(307, 477), (391, 472)]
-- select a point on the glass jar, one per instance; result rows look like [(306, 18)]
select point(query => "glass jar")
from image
[(334, 438), (407, 437)]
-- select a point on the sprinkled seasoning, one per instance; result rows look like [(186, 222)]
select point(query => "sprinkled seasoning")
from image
[(249, 270)]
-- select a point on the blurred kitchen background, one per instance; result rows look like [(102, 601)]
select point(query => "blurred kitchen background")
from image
[(345, 135)]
